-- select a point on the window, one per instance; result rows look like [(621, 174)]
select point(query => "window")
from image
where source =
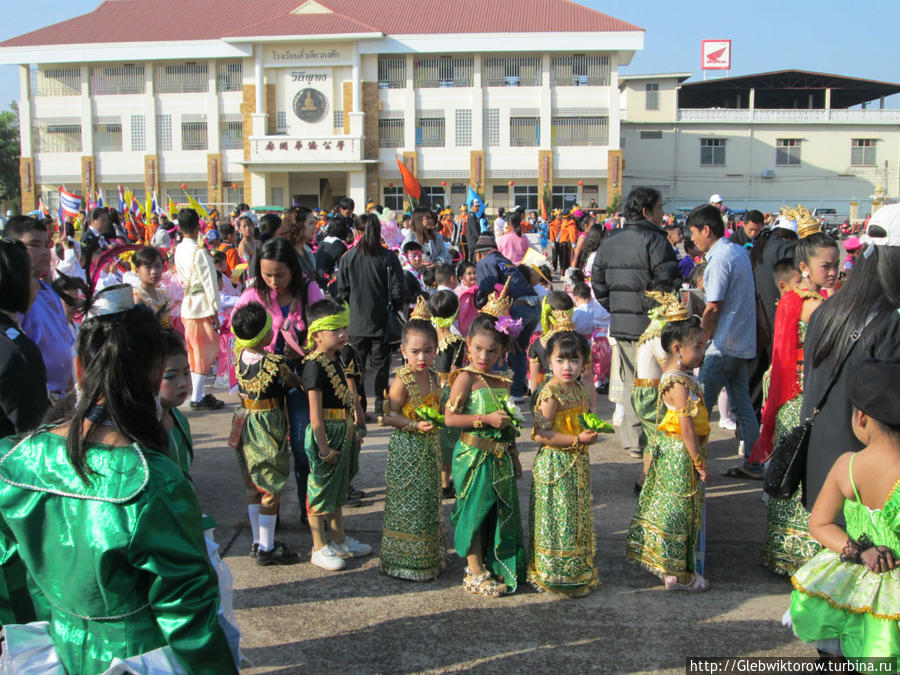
[(390, 132), (393, 198), (232, 132), (579, 70), (564, 196), (56, 81), (182, 78), (787, 152), (338, 121), (712, 152), (229, 76), (164, 132), (280, 123), (61, 134), (193, 132), (463, 127), (651, 101), (443, 71), (526, 196), (430, 129), (524, 131), (125, 79), (277, 196), (521, 71), (435, 195), (492, 127), (391, 72), (138, 134), (500, 196), (651, 135), (108, 134), (580, 130), (862, 152)]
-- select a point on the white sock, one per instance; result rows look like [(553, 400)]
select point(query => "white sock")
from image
[(253, 512), (197, 383), (266, 532)]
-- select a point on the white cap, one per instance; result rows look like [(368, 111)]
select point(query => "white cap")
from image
[(785, 223), (884, 227), (716, 199)]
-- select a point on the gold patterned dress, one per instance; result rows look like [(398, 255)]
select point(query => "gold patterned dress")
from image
[(561, 549), (666, 532), (412, 542)]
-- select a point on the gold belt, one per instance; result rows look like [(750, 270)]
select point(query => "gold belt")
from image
[(261, 404), (643, 382), (672, 434), (335, 414), (496, 448)]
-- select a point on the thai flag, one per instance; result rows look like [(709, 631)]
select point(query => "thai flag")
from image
[(89, 206), (121, 200), (100, 203), (154, 205), (69, 205), (45, 212)]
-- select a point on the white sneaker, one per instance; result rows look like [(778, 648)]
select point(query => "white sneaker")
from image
[(618, 415), (351, 548), (728, 425), (741, 451), (328, 559)]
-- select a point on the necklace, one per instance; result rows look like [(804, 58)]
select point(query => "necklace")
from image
[(340, 387)]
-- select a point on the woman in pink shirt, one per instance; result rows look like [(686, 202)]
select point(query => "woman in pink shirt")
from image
[(468, 287), (514, 245)]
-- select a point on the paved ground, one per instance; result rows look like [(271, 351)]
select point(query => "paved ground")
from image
[(302, 619)]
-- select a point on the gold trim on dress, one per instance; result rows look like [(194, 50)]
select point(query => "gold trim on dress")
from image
[(340, 388), (496, 448)]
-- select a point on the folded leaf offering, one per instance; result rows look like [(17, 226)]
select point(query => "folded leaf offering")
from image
[(429, 414), (592, 422)]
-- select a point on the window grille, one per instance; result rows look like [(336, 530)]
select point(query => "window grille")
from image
[(182, 78), (232, 132), (56, 81), (390, 132), (234, 195), (193, 132), (277, 196), (229, 76), (463, 127), (651, 135), (176, 192), (564, 196), (512, 71), (443, 71), (862, 151), (651, 101), (164, 132), (393, 198), (524, 131), (138, 134), (60, 134), (338, 121), (526, 196), (712, 152), (579, 71), (580, 130), (787, 152), (124, 79), (281, 126), (430, 129), (492, 127), (391, 72), (108, 134), (434, 195)]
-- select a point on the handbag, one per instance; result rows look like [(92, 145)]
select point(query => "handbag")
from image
[(394, 328), (788, 463)]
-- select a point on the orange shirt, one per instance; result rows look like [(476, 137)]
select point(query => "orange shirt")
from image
[(554, 229), (569, 231), (232, 259)]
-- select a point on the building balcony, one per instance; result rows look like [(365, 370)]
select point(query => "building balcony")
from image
[(781, 115), (306, 149)]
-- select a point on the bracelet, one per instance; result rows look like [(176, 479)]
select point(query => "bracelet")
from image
[(410, 428), (698, 463), (852, 551), (478, 423), (328, 457)]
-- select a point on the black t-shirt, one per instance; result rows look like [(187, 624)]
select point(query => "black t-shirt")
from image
[(261, 380), (538, 351), (314, 376), (328, 254), (451, 356), (23, 381)]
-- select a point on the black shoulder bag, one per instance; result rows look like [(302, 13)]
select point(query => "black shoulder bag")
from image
[(788, 463)]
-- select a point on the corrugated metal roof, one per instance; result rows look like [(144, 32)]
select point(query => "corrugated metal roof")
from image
[(175, 20)]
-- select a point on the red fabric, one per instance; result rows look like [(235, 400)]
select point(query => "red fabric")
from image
[(784, 382), (410, 184)]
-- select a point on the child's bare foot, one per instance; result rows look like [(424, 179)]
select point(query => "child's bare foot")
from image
[(697, 584)]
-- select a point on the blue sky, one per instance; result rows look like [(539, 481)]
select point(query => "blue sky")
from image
[(831, 36)]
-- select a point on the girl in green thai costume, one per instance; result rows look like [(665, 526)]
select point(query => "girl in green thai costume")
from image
[(485, 460), (412, 543), (666, 532), (561, 547)]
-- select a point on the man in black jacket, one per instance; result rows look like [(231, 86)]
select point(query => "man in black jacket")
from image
[(627, 262), (473, 228)]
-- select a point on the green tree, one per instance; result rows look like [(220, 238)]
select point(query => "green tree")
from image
[(9, 156), (615, 204)]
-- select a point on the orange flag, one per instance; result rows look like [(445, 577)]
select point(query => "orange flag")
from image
[(410, 184)]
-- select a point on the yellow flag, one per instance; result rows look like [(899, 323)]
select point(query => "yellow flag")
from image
[(173, 209), (197, 206)]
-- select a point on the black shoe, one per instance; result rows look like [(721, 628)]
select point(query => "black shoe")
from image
[(208, 402), (637, 489), (280, 555), (353, 492), (353, 501), (253, 550), (449, 492)]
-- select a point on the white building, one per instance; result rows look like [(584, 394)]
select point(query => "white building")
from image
[(312, 100), (761, 141)]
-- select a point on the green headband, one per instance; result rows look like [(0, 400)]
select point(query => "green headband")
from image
[(241, 344), (438, 322), (330, 322)]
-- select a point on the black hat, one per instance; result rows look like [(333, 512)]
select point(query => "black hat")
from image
[(485, 243), (873, 389)]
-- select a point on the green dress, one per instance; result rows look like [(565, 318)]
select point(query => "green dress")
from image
[(450, 355), (834, 600), (486, 496), (412, 542), (132, 540), (561, 549)]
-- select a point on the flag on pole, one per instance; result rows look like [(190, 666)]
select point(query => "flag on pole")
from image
[(44, 211), (471, 197), (154, 204), (173, 209), (410, 184), (100, 203), (121, 200), (89, 205), (196, 205), (69, 204)]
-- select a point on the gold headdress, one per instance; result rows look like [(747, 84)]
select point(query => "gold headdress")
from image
[(561, 321), (670, 304), (498, 304), (420, 311), (806, 222)]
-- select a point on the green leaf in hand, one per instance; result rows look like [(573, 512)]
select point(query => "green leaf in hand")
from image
[(429, 414), (592, 422)]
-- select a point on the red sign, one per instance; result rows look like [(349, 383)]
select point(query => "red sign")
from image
[(716, 55)]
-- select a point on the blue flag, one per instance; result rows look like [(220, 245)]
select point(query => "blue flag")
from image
[(471, 197)]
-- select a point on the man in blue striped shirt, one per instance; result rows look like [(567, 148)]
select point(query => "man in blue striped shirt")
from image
[(729, 321)]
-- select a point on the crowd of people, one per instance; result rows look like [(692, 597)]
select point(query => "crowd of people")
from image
[(105, 336)]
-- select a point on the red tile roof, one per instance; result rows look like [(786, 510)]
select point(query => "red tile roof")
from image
[(174, 20)]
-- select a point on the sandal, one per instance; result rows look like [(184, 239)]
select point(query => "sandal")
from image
[(741, 472), (483, 584), (696, 585)]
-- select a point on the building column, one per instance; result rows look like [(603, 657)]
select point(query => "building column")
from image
[(409, 106), (356, 187), (545, 178), (87, 113), (259, 79), (478, 105), (546, 105), (615, 114), (614, 176), (152, 143), (751, 104), (356, 79), (28, 189), (151, 177), (828, 98), (88, 176)]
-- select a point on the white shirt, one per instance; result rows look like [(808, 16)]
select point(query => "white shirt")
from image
[(589, 317), (197, 272)]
